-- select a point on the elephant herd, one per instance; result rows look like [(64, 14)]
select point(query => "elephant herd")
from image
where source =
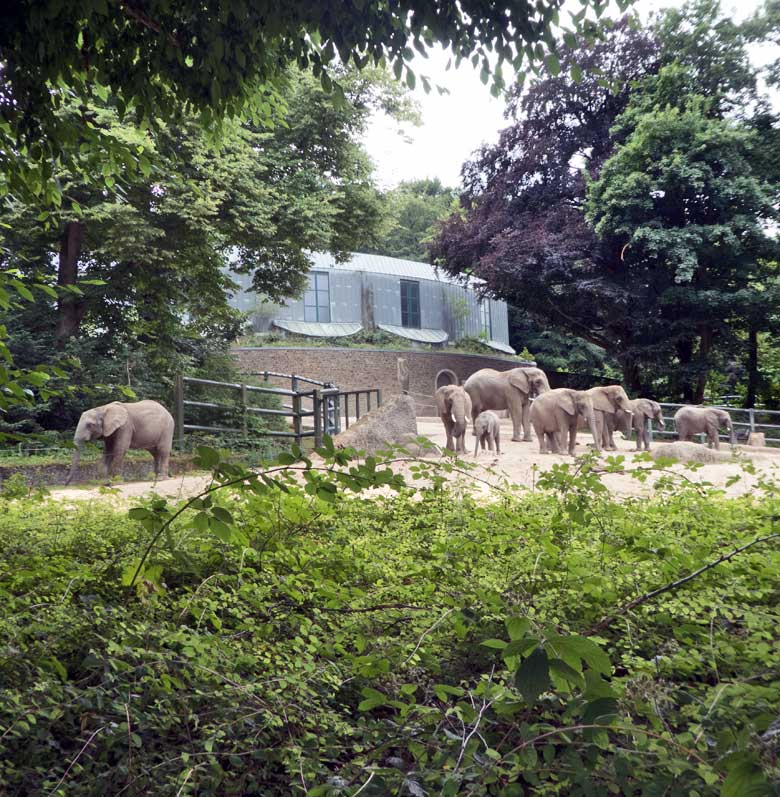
[(557, 415)]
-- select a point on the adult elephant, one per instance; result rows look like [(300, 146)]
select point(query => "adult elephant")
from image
[(454, 406), (140, 424), (607, 401), (690, 421), (507, 390), (645, 412), (557, 412)]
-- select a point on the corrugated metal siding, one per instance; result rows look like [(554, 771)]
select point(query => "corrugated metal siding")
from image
[(442, 301)]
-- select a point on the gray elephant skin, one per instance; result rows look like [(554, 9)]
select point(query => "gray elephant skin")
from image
[(690, 421), (141, 424), (454, 406), (487, 428), (510, 390), (557, 412), (645, 412), (607, 401)]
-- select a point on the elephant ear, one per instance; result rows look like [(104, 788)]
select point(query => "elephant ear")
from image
[(519, 379), (114, 418), (601, 400), (567, 404)]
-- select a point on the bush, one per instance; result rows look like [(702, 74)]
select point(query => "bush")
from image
[(294, 641)]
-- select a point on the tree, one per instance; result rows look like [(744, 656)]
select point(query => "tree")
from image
[(523, 230), (679, 202), (160, 60), (411, 210), (159, 244)]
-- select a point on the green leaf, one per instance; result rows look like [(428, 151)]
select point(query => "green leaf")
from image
[(602, 709), (533, 676), (206, 457), (373, 698), (498, 644), (518, 627), (745, 779)]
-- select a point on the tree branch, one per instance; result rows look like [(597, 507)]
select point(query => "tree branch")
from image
[(639, 600)]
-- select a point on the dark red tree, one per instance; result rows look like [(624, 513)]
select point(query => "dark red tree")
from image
[(524, 231)]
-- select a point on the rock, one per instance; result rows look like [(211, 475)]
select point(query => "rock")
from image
[(684, 451), (395, 422), (757, 439)]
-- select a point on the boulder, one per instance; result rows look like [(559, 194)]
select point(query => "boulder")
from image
[(684, 451), (756, 439), (395, 422)]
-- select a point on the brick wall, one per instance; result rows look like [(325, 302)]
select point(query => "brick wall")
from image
[(354, 369)]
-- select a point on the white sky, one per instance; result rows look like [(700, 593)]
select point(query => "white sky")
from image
[(454, 125)]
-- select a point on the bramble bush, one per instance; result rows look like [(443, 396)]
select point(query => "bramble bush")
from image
[(276, 635)]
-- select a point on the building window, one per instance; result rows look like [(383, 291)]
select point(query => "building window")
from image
[(316, 300), (485, 321), (410, 304)]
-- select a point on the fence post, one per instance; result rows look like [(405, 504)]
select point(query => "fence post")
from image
[(178, 405), (752, 419), (317, 406), (296, 405), (243, 410), (379, 397), (368, 401), (357, 404)]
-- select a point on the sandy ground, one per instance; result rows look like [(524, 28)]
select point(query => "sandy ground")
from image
[(520, 464)]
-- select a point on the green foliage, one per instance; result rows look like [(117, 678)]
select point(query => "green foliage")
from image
[(274, 636), (411, 211), (166, 60)]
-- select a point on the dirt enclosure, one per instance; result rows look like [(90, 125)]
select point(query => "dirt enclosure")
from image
[(520, 464)]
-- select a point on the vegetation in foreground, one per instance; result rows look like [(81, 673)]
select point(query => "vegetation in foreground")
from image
[(280, 638)]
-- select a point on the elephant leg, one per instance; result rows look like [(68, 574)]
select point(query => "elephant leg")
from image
[(498, 441), (712, 435), (527, 421), (161, 460), (449, 426)]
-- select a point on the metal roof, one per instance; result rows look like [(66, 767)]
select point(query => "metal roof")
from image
[(316, 329), (499, 346), (420, 335), (379, 264)]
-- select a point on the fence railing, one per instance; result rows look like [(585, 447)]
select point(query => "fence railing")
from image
[(321, 405), (744, 421), (329, 408), (353, 403)]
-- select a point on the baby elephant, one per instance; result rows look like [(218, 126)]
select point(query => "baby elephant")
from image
[(487, 428)]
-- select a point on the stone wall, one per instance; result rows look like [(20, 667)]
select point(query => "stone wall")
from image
[(355, 369)]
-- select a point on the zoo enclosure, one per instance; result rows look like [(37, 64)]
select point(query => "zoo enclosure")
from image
[(744, 421), (324, 404)]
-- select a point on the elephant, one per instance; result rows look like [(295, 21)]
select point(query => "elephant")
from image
[(487, 428), (607, 401), (507, 390), (703, 420), (140, 424), (556, 412), (645, 411), (454, 406)]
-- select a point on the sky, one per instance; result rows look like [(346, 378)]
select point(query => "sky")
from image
[(456, 124)]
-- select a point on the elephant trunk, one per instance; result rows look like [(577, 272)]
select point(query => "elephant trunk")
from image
[(459, 413), (732, 436), (593, 426), (74, 462)]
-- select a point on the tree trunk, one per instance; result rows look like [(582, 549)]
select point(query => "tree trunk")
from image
[(752, 384), (632, 377), (71, 307), (683, 381), (705, 342)]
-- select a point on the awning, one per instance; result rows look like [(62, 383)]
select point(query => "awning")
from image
[(420, 335), (315, 329), (498, 346)]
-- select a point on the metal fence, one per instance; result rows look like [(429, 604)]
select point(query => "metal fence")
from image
[(744, 422), (322, 406)]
